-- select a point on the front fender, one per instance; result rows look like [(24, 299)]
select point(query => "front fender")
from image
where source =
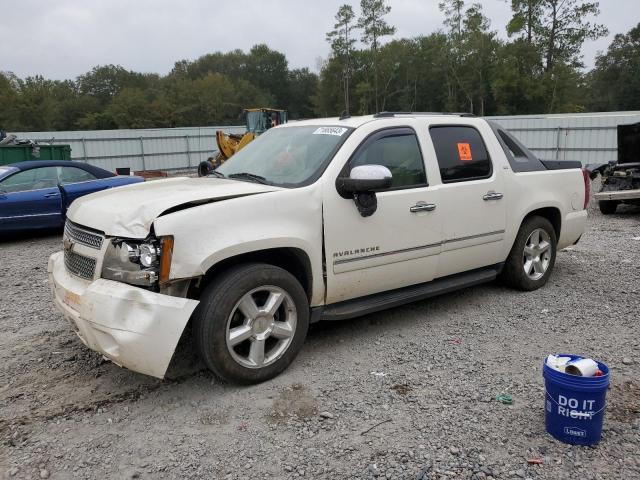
[(207, 234)]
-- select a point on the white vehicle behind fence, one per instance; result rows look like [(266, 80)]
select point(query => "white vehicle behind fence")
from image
[(315, 220)]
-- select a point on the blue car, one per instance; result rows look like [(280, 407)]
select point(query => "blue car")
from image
[(36, 195)]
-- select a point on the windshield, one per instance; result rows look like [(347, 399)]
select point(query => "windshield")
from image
[(4, 171), (287, 157)]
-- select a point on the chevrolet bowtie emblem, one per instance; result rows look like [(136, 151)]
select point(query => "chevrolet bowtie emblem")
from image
[(67, 244)]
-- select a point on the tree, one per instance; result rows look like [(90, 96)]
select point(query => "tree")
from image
[(35, 109), (303, 85), (131, 108), (374, 27), (329, 100), (431, 70), (342, 43), (558, 27), (516, 81), (471, 48), (9, 98), (565, 30), (453, 14), (526, 18), (69, 105), (105, 82), (479, 47), (615, 80), (268, 70)]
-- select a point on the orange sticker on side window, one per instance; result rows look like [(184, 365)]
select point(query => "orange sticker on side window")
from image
[(464, 152)]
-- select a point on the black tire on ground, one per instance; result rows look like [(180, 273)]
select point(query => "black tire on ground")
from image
[(204, 168), (513, 273), (607, 207), (217, 303)]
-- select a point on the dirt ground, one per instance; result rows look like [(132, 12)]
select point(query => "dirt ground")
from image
[(406, 393)]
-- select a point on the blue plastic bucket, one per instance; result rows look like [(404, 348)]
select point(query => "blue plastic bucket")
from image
[(574, 405)]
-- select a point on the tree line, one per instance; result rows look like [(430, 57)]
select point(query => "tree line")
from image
[(465, 67)]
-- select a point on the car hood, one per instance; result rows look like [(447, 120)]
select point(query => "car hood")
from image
[(129, 211)]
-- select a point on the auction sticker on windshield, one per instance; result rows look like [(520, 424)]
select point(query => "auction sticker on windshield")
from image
[(330, 131)]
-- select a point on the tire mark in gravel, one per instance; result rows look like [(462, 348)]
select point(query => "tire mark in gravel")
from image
[(69, 409)]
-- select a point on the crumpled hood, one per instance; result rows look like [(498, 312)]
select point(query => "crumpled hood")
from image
[(129, 211)]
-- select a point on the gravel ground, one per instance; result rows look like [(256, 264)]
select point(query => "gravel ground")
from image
[(406, 393)]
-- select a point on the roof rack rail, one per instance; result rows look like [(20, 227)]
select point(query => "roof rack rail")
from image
[(393, 114)]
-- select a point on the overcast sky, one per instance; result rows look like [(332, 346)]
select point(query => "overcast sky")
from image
[(64, 38)]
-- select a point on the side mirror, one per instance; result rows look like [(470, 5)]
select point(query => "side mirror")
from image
[(364, 179), (361, 185)]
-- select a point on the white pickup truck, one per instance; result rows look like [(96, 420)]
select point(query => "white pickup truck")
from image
[(315, 220)]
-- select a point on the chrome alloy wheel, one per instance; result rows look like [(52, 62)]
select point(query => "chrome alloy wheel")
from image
[(261, 326), (537, 254)]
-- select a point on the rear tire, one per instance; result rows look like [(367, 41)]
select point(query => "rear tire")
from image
[(532, 256), (608, 207), (251, 323)]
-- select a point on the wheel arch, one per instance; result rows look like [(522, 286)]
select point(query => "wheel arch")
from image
[(294, 260), (550, 213)]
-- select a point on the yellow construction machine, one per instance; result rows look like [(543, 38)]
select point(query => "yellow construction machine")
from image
[(258, 120)]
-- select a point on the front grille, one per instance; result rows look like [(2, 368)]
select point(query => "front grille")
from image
[(79, 265), (82, 236)]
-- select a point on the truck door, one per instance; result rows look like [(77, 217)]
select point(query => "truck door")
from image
[(399, 244), (472, 199)]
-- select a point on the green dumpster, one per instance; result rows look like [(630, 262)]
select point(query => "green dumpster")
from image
[(20, 153)]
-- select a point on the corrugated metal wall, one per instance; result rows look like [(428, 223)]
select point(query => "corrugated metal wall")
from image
[(588, 137), (144, 149)]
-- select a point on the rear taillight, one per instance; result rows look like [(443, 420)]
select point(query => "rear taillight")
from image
[(587, 187)]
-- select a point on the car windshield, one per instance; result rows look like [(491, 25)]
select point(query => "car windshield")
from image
[(5, 171), (288, 156)]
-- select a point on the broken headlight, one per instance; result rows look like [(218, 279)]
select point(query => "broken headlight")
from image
[(136, 262)]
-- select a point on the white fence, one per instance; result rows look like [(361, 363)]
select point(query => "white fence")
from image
[(144, 149), (587, 137), (590, 138)]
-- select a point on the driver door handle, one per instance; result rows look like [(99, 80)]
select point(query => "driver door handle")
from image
[(52, 195), (422, 207), (492, 196)]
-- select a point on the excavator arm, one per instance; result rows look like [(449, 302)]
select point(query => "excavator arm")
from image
[(258, 120)]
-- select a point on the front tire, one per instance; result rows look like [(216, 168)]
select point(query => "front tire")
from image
[(251, 323), (608, 207), (204, 168), (532, 256)]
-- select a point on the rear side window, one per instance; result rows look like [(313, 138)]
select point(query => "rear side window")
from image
[(514, 149), (398, 150), (74, 175), (461, 153), (520, 157)]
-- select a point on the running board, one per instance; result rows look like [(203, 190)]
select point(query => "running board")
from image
[(394, 298)]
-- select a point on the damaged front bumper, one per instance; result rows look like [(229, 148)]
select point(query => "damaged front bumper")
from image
[(131, 326)]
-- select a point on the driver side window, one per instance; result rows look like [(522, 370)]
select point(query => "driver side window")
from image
[(398, 150)]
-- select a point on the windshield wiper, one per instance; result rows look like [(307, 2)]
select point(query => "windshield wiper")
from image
[(252, 177), (216, 174)]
